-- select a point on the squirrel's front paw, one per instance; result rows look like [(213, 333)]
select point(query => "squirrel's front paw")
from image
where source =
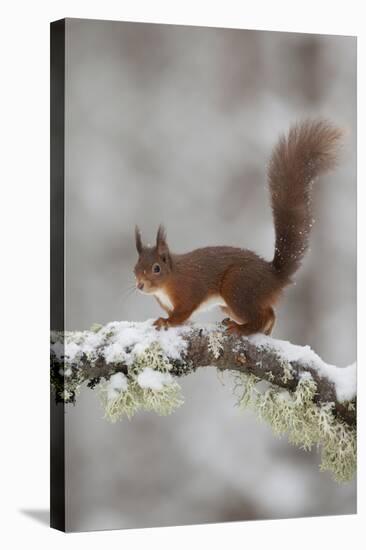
[(161, 323)]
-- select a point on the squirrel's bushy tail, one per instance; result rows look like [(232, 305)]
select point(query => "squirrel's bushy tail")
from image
[(309, 150)]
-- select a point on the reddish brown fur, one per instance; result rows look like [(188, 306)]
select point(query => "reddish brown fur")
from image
[(249, 285), (309, 150)]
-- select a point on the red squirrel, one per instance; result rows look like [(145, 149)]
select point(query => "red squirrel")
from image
[(243, 284)]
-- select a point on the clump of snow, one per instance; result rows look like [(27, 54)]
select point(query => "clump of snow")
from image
[(71, 351), (120, 342), (58, 349), (117, 384), (118, 381), (129, 340), (114, 353), (112, 394), (90, 343), (288, 351), (153, 379), (343, 378), (75, 344)]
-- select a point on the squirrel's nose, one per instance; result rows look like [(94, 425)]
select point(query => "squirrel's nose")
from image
[(140, 286)]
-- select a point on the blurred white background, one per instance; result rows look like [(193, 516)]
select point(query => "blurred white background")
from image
[(176, 125)]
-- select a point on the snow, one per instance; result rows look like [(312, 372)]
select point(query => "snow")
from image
[(116, 384), (114, 353), (121, 341), (80, 343), (153, 379), (130, 340), (58, 349), (343, 378), (306, 375), (112, 394), (91, 341), (71, 351), (118, 381)]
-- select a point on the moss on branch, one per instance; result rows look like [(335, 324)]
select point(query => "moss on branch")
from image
[(135, 367)]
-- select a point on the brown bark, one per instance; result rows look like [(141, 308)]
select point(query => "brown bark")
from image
[(236, 354)]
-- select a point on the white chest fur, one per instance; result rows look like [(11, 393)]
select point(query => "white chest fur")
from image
[(164, 299), (213, 301)]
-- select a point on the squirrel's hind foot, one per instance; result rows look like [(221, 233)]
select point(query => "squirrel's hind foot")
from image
[(235, 328), (161, 323), (263, 323)]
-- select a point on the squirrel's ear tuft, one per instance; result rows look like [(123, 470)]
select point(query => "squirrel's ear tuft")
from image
[(138, 239), (161, 244)]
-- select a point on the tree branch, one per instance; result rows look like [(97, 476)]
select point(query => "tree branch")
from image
[(99, 353)]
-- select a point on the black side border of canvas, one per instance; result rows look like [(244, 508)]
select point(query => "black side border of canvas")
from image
[(57, 254)]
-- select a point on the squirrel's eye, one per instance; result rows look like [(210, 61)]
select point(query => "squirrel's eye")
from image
[(156, 268)]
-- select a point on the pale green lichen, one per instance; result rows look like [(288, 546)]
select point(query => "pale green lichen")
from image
[(127, 402), (287, 372), (247, 383), (164, 401), (96, 327), (152, 357), (215, 343), (66, 382), (72, 385), (304, 422)]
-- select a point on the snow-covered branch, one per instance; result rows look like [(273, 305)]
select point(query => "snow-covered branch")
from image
[(103, 351), (136, 367)]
